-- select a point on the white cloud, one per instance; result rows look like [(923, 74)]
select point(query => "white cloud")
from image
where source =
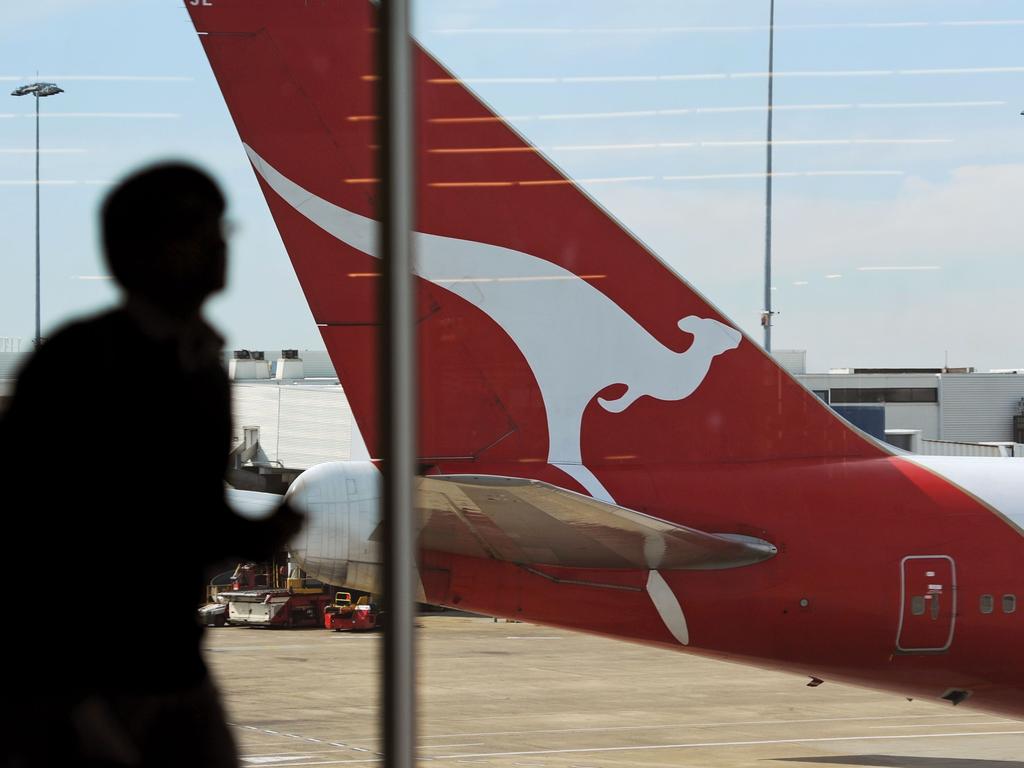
[(967, 223), (16, 13), (972, 213)]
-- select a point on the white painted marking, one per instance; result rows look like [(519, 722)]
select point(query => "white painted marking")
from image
[(343, 762), (721, 724), (275, 759), (295, 736), (689, 745), (261, 647), (668, 607), (297, 755), (438, 746), (947, 725), (559, 339), (753, 742)]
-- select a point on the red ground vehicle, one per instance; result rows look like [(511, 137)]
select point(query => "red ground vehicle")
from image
[(300, 604), (345, 616)]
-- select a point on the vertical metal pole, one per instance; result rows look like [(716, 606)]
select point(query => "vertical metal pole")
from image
[(398, 383), (38, 333), (768, 314)]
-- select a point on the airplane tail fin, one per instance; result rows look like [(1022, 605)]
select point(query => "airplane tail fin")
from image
[(548, 335)]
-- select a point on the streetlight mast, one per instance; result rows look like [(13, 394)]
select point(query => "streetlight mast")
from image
[(39, 90), (768, 314)]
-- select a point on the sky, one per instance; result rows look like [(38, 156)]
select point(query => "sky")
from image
[(899, 156)]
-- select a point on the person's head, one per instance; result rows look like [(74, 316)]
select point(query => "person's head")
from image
[(163, 236)]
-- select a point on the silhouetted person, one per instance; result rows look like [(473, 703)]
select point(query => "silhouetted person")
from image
[(116, 443)]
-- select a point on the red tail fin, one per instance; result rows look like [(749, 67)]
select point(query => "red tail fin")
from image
[(548, 334)]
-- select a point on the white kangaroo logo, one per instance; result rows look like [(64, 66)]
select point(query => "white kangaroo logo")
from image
[(575, 339)]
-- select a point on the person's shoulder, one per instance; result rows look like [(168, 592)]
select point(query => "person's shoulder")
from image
[(67, 351), (77, 338), (98, 325)]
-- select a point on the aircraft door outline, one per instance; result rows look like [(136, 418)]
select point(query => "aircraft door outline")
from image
[(928, 604)]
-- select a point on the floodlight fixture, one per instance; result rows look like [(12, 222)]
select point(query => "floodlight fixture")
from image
[(39, 90)]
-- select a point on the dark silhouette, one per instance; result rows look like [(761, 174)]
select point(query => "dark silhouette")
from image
[(115, 446)]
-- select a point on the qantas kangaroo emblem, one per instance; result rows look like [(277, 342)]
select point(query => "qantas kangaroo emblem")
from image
[(577, 341)]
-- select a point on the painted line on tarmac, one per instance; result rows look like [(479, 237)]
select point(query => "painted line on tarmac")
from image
[(340, 762), (941, 725), (439, 746), (700, 744), (305, 755), (298, 737), (691, 725), (688, 745)]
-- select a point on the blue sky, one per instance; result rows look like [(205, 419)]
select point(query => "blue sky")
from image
[(900, 150)]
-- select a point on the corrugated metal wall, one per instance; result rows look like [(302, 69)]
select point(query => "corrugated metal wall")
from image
[(256, 406), (922, 416), (979, 406), (793, 360), (300, 426), (316, 426), (10, 363)]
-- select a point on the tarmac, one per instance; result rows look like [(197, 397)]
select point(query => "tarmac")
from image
[(513, 694)]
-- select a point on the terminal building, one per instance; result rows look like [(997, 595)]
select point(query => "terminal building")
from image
[(933, 410), (290, 412), (305, 419)]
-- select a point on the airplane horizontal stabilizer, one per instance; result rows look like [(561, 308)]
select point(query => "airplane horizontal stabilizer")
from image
[(531, 522)]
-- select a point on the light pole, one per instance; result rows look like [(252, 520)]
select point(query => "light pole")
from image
[(766, 316), (39, 90)]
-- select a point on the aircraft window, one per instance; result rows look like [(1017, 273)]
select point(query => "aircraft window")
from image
[(1009, 603), (917, 605), (986, 604)]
